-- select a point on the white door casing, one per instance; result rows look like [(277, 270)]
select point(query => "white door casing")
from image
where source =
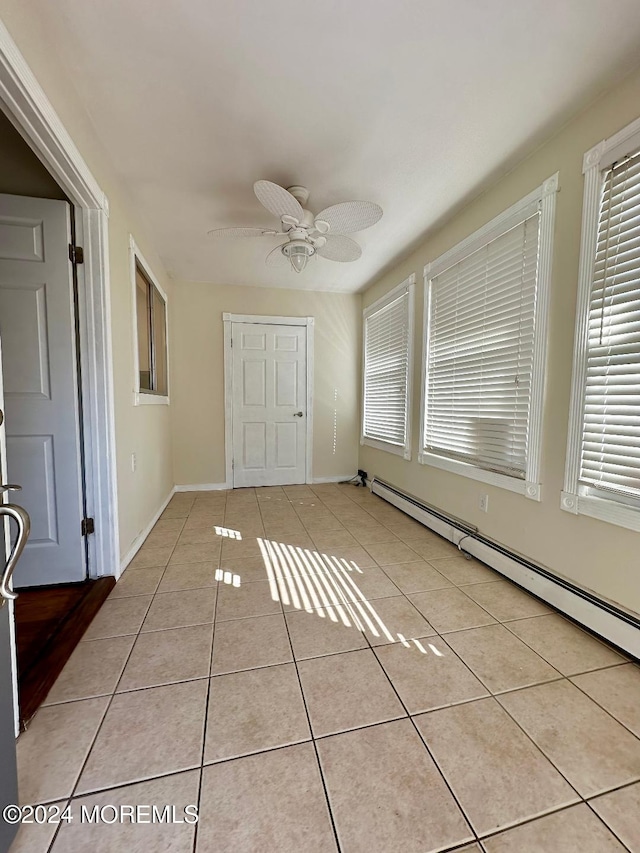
[(27, 107), (40, 385), (268, 400), (9, 716), (5, 548)]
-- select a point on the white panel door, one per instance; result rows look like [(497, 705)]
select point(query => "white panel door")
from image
[(40, 385), (269, 404)]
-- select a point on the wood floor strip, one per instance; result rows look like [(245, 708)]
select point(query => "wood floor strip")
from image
[(49, 625)]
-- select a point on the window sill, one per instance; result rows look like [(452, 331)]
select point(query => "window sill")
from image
[(614, 512), (493, 478), (141, 399), (396, 449)]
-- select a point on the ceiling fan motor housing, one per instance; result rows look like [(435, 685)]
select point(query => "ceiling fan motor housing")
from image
[(299, 193), (305, 221)]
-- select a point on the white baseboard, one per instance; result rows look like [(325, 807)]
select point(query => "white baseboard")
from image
[(319, 481), (139, 540), (202, 487), (212, 487), (609, 622)]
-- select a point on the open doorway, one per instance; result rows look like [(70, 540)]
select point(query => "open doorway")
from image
[(59, 590)]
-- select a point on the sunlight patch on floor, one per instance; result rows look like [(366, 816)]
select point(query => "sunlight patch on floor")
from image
[(225, 576), (311, 581), (227, 533)]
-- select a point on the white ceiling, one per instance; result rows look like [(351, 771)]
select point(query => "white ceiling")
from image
[(412, 104)]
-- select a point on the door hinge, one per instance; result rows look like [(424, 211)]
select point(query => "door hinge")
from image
[(76, 254), (233, 464), (88, 526)]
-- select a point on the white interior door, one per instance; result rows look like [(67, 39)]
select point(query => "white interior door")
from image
[(269, 404), (40, 385)]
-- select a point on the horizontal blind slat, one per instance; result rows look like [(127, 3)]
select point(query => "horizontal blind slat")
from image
[(480, 359), (610, 447), (385, 372)]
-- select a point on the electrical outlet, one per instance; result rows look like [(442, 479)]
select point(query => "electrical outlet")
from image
[(483, 503), (134, 462)]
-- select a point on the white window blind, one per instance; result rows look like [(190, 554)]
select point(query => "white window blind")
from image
[(480, 352), (386, 371), (610, 451)]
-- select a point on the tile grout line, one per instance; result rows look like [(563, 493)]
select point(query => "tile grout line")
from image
[(513, 585), (112, 696), (313, 740), (428, 750), (584, 692), (360, 727), (606, 825), (458, 586), (206, 714), (68, 799), (595, 701), (110, 700), (487, 836), (372, 648), (587, 672), (280, 747), (315, 748), (495, 693), (494, 696), (539, 748)]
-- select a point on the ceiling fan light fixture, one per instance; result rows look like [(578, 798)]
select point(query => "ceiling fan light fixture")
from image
[(298, 252)]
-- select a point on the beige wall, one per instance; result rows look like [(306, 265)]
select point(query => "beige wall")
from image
[(197, 375), (144, 430), (596, 555)]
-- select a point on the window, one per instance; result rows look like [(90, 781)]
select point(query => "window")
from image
[(388, 325), (603, 461), (150, 303), (486, 306)]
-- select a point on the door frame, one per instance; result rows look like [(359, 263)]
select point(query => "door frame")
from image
[(31, 113), (228, 319), (5, 546)]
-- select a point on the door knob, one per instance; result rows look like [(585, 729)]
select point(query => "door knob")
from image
[(9, 487), (297, 414), (21, 517)]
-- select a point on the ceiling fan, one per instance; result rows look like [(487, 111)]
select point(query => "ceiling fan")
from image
[(308, 234)]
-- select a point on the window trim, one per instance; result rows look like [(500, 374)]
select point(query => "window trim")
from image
[(544, 197), (142, 397), (406, 286), (574, 498)]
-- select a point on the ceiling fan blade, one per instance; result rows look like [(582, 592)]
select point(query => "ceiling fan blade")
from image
[(339, 248), (242, 232), (350, 216), (275, 258), (277, 200)]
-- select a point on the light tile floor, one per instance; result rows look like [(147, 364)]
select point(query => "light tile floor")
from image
[(315, 671)]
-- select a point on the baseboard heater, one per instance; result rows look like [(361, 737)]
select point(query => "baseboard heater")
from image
[(605, 619)]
